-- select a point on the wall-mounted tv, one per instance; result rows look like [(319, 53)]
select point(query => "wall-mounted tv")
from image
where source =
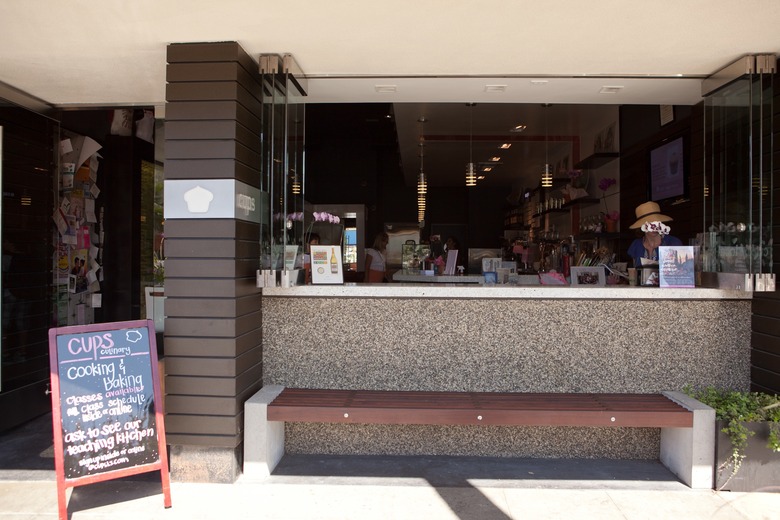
[(669, 170)]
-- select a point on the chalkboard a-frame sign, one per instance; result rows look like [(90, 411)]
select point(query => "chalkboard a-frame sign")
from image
[(107, 407)]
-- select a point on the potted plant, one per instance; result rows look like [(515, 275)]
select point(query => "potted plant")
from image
[(611, 220), (748, 442)]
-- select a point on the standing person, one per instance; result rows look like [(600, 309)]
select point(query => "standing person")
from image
[(314, 239), (656, 233), (376, 260)]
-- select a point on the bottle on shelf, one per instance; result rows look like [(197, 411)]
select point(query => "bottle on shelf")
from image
[(334, 264)]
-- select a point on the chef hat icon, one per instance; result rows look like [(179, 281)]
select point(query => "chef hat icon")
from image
[(198, 199)]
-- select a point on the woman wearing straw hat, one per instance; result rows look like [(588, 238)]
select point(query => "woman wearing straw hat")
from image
[(651, 221)]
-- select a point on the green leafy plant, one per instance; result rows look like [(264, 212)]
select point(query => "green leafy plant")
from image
[(735, 409)]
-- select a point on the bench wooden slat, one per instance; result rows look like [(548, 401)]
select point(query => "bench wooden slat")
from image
[(466, 408)]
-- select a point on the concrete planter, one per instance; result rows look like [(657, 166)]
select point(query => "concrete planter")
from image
[(760, 471)]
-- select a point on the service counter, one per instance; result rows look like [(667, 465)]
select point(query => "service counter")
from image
[(502, 338)]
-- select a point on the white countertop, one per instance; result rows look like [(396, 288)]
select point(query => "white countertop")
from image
[(456, 291)]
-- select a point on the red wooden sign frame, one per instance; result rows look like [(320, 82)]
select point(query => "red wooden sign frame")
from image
[(59, 460)]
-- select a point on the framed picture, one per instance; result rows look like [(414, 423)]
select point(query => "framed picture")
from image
[(588, 276)]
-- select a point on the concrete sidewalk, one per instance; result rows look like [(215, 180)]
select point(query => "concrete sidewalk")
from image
[(430, 488)]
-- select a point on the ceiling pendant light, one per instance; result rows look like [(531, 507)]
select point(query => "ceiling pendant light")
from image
[(296, 183), (422, 182), (471, 171), (547, 175)]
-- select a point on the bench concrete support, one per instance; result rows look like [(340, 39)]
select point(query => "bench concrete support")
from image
[(263, 439), (689, 453)]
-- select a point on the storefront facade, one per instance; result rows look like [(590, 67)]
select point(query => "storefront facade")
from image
[(216, 334)]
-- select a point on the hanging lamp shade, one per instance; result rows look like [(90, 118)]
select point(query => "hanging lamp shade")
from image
[(422, 182), (547, 176), (471, 170), (471, 175)]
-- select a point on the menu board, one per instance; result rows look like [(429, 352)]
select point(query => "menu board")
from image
[(106, 402)]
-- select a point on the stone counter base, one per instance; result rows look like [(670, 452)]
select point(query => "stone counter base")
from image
[(483, 441)]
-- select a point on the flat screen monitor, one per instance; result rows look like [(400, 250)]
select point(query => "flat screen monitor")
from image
[(668, 170)]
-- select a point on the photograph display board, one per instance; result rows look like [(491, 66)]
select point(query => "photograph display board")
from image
[(107, 412), (326, 265)]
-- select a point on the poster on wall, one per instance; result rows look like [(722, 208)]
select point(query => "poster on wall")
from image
[(326, 265)]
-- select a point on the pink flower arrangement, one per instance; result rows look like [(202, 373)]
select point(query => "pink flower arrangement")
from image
[(326, 217), (612, 215)]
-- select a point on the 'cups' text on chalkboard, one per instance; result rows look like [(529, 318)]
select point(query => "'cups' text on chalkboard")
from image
[(107, 401)]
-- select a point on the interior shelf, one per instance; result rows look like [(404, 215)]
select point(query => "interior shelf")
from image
[(596, 160)]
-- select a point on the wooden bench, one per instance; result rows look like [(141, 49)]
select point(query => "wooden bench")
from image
[(687, 426)]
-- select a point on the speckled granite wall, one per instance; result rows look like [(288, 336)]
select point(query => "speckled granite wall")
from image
[(521, 345), (505, 345), (485, 441)]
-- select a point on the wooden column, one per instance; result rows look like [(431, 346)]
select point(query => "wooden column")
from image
[(213, 347)]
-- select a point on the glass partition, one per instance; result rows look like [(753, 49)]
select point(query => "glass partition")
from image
[(283, 174), (737, 177)]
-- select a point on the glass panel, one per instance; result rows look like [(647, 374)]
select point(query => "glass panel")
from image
[(738, 180), (283, 175)]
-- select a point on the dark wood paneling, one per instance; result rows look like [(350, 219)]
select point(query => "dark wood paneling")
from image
[(202, 424), (769, 326), (204, 441), (221, 228), (765, 360), (208, 71), (766, 304), (213, 366), (216, 307), (765, 339), (227, 386), (210, 267), (175, 130), (212, 169), (212, 248), (207, 326), (764, 342), (216, 110), (764, 380), (213, 347), (205, 288), (213, 52), (213, 307), (210, 405)]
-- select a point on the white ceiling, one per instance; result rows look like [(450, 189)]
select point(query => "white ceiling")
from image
[(112, 52)]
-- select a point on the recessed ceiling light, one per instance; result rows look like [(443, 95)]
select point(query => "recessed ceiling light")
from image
[(487, 169), (480, 177), (610, 89), (518, 128), (505, 146), (495, 158), (385, 88), (495, 88)]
